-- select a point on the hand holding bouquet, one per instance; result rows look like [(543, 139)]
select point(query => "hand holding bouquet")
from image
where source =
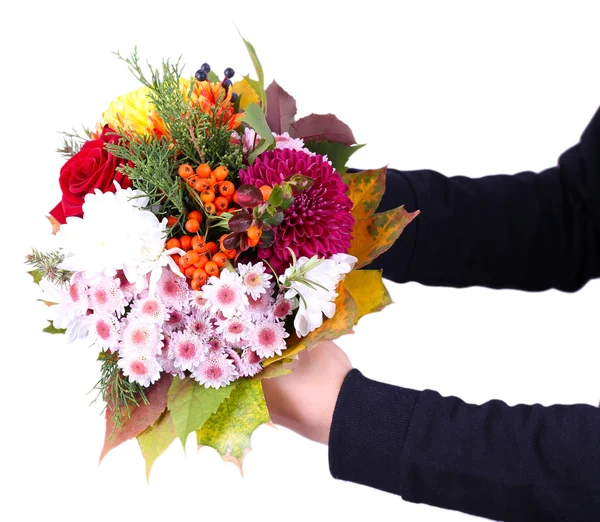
[(204, 238)]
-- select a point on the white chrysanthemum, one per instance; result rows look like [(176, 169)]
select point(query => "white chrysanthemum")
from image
[(142, 369), (215, 371), (254, 279), (225, 294), (200, 325), (186, 350), (150, 309), (268, 338), (104, 331), (234, 329), (105, 296), (319, 300), (249, 364), (140, 336), (116, 234), (173, 290), (69, 304)]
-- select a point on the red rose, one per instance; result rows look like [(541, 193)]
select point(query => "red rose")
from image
[(93, 167)]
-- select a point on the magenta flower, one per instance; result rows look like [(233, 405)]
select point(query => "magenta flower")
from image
[(319, 221)]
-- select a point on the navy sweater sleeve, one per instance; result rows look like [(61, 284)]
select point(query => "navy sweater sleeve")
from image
[(521, 463), (528, 231)]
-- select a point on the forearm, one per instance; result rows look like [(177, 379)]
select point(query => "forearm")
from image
[(520, 463), (529, 231)]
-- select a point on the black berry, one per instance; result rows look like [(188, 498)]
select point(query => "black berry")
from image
[(205, 67), (227, 83), (201, 75), (229, 72), (234, 97)]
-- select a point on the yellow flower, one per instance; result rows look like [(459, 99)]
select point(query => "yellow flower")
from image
[(246, 92), (132, 112)]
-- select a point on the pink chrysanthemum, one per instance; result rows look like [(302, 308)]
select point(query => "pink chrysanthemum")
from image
[(104, 330), (234, 329), (216, 371), (249, 364), (268, 338), (197, 299), (139, 336), (225, 294), (176, 322), (106, 297), (142, 369), (78, 292), (282, 307), (200, 325), (216, 345), (128, 289), (150, 309), (165, 360), (173, 290), (259, 308), (186, 350), (319, 221)]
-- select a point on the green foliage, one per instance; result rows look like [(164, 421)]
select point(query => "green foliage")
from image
[(72, 142), (152, 169), (46, 267), (116, 391), (337, 153), (258, 86), (191, 404), (51, 329), (155, 440), (255, 117), (229, 430)]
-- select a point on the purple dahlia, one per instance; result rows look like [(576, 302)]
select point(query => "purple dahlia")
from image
[(319, 221)]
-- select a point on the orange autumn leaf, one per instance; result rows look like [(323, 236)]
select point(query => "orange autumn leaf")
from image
[(55, 224), (141, 417), (373, 233), (340, 324)]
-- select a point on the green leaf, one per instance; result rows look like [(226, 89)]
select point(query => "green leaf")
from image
[(37, 276), (51, 329), (230, 429), (255, 117), (337, 153), (191, 404), (155, 440), (259, 72), (276, 197), (213, 78), (368, 291)]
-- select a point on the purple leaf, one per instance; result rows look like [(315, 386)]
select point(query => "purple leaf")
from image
[(322, 127), (231, 241), (240, 222), (267, 239), (249, 196), (281, 108), (244, 242)]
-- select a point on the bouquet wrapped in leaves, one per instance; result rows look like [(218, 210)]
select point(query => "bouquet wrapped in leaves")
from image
[(204, 238)]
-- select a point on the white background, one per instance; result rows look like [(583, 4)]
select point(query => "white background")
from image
[(462, 87)]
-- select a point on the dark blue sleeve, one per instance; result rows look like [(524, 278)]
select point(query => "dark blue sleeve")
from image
[(520, 463), (528, 231)]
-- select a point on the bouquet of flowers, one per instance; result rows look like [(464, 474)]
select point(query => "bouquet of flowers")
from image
[(204, 238)]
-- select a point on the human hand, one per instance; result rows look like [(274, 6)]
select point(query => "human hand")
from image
[(305, 399)]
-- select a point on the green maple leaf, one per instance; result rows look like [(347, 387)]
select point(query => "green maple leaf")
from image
[(155, 440), (230, 429), (191, 404)]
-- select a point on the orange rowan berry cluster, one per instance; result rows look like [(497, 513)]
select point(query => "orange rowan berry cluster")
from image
[(202, 259), (216, 193)]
